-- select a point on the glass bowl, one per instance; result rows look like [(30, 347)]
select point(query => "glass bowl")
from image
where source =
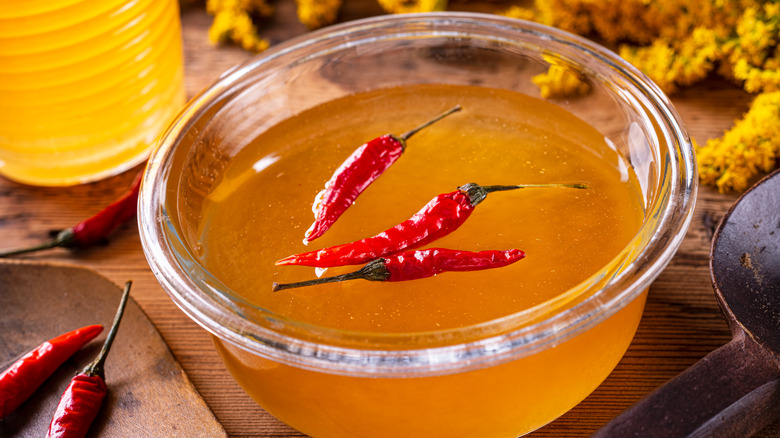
[(501, 378)]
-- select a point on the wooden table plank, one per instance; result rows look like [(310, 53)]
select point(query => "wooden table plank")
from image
[(681, 324)]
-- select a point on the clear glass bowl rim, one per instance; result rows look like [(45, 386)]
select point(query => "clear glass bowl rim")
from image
[(218, 312)]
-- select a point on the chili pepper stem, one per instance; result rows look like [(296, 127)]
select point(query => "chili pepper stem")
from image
[(64, 238), (96, 368), (373, 271), (405, 136), (477, 193), (490, 189), (95, 228)]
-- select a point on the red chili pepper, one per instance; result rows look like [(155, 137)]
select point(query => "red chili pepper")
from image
[(362, 168), (413, 265), (441, 216), (94, 229), (18, 382), (81, 402), (78, 407)]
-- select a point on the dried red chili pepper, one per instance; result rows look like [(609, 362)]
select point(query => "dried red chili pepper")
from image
[(94, 229), (362, 168), (414, 265), (81, 402), (441, 216), (18, 382)]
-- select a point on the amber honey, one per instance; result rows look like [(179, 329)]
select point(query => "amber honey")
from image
[(86, 86), (260, 209)]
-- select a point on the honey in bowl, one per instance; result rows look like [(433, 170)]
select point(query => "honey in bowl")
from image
[(261, 208)]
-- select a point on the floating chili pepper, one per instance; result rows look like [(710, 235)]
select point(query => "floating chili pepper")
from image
[(18, 382), (441, 216), (81, 402), (413, 265), (94, 229), (362, 168)]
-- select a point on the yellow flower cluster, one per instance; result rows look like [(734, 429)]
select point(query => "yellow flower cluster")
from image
[(233, 22), (672, 63), (318, 13), (679, 42), (749, 148), (233, 19), (408, 6), (675, 42), (754, 53)]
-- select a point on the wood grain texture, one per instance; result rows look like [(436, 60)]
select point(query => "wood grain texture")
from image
[(149, 394), (681, 323)]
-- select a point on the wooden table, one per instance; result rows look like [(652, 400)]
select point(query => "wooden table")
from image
[(681, 324)]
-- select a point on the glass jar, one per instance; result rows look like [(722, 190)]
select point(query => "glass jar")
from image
[(86, 86)]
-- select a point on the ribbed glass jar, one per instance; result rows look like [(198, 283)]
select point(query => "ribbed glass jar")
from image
[(86, 86)]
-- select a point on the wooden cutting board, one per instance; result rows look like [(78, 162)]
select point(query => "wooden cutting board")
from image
[(149, 394)]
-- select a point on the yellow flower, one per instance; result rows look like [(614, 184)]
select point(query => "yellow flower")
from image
[(407, 6), (318, 13), (748, 149), (679, 42), (233, 22), (753, 54), (673, 63)]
